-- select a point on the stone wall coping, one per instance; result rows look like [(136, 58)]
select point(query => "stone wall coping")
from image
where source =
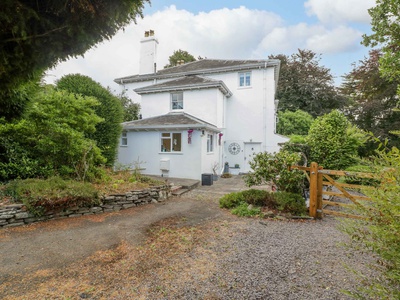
[(12, 215)]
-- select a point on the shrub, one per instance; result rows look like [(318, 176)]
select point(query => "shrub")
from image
[(334, 142), (380, 232), (358, 180), (256, 197), (231, 200), (290, 203), (267, 167), (298, 144), (242, 210), (40, 196), (108, 131), (297, 122), (282, 201)]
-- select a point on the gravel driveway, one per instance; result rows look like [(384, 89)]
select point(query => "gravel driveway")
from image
[(238, 258)]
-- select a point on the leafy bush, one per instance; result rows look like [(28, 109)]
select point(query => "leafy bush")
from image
[(359, 180), (40, 196), (334, 142), (110, 109), (242, 210), (290, 203), (381, 230), (298, 144), (267, 167), (256, 197), (51, 139), (231, 200), (297, 122), (282, 201)]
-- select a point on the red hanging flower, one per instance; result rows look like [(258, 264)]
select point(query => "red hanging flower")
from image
[(190, 131), (219, 138)]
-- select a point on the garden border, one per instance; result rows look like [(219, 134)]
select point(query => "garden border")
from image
[(13, 215)]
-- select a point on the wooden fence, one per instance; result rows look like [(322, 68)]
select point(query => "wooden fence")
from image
[(318, 178)]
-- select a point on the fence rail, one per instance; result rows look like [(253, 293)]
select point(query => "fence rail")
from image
[(318, 177)]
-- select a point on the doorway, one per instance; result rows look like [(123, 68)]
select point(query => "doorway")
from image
[(250, 149)]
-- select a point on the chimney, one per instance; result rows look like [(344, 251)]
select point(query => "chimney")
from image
[(148, 53)]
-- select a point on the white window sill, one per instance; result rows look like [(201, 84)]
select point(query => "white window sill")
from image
[(124, 146), (173, 153), (244, 87)]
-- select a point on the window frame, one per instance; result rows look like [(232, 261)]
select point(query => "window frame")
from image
[(124, 139), (170, 137), (177, 101), (246, 79), (210, 143)]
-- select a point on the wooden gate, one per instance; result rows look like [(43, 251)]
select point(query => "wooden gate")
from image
[(318, 178)]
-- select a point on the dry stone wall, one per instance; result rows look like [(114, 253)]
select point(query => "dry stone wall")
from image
[(13, 215)]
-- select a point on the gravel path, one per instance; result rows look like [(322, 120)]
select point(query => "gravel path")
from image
[(234, 258), (267, 259), (284, 260)]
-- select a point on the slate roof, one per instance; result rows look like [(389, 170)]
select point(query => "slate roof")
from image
[(185, 83), (203, 67), (170, 121)]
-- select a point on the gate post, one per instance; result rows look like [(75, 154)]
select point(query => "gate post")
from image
[(313, 189), (319, 193)]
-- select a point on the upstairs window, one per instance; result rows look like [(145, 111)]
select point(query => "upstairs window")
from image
[(124, 139), (171, 142), (210, 143), (176, 101), (245, 79)]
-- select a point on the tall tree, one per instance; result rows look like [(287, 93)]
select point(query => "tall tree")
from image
[(179, 56), (35, 35), (386, 27), (51, 138), (305, 85), (373, 98), (131, 109), (297, 122), (334, 142), (110, 109)]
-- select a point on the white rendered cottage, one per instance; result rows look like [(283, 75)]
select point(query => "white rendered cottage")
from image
[(199, 115)]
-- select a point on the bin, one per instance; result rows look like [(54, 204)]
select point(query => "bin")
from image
[(207, 179)]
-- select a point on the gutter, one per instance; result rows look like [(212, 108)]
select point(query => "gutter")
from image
[(265, 64), (221, 85), (171, 127)]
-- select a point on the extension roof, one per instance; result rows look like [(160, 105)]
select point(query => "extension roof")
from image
[(170, 121), (185, 83)]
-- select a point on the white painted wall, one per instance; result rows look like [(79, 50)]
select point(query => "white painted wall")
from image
[(209, 159), (145, 147), (205, 104), (247, 116)]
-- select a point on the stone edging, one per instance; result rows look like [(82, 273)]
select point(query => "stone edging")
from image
[(14, 215)]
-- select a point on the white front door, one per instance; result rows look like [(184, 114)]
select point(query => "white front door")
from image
[(250, 150)]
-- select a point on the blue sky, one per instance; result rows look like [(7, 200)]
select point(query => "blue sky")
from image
[(233, 29)]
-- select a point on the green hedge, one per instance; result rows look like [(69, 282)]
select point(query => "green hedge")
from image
[(282, 201), (40, 196)]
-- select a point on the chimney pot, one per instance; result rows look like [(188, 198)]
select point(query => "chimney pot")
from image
[(146, 34)]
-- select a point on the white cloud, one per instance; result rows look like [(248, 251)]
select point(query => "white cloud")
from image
[(223, 33), (340, 11), (317, 38), (239, 33)]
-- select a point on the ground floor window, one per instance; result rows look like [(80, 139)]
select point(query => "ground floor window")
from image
[(210, 143), (171, 142), (124, 139)]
